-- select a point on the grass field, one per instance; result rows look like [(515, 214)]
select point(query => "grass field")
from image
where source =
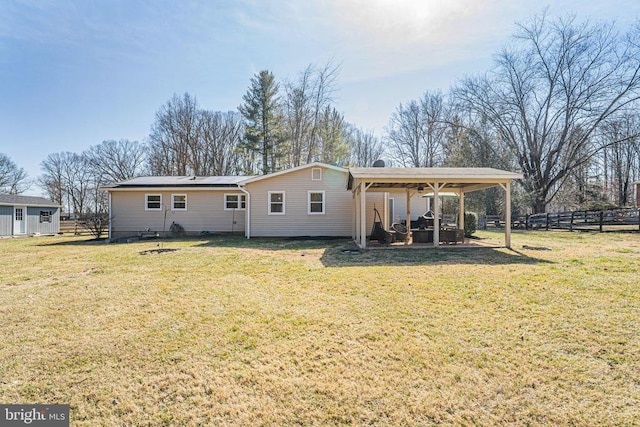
[(226, 331)]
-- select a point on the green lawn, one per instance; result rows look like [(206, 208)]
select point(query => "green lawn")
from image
[(225, 331)]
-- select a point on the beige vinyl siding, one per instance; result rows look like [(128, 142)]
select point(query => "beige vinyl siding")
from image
[(336, 221), (418, 206), (205, 212)]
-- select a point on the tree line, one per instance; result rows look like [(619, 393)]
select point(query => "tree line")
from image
[(272, 130), (276, 127), (559, 105)]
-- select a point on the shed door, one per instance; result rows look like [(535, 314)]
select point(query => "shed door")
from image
[(19, 220)]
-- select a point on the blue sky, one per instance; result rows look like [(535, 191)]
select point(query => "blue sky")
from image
[(75, 73)]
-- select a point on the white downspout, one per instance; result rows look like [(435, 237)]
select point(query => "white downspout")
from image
[(247, 226), (110, 216)]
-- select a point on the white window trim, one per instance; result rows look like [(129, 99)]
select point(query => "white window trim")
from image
[(173, 208), (47, 216), (324, 202), (319, 170), (146, 202), (240, 197), (284, 202)]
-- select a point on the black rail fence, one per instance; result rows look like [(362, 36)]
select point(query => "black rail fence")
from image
[(617, 219)]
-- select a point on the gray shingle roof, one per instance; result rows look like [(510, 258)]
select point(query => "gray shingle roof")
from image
[(12, 200)]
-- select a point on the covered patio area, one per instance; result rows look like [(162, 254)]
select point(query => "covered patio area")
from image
[(461, 181)]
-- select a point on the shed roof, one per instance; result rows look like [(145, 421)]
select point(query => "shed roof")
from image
[(13, 200), (177, 181)]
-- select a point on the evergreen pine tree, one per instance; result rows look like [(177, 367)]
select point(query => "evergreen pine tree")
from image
[(262, 112)]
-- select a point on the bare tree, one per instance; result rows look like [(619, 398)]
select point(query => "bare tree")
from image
[(299, 115), (416, 131), (365, 147), (117, 161), (551, 91), (175, 138), (13, 180), (78, 179), (621, 157), (322, 96), (307, 101), (52, 178), (222, 135), (69, 179), (471, 141)]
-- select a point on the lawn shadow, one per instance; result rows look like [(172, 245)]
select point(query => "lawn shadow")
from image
[(221, 241), (76, 242), (343, 252), (351, 256), (274, 243)]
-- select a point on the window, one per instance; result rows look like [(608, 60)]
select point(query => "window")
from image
[(19, 214), (316, 174), (235, 201), (316, 203), (276, 202), (178, 202), (45, 216), (153, 202)]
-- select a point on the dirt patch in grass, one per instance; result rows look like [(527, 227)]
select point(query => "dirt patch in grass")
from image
[(157, 251), (237, 332)]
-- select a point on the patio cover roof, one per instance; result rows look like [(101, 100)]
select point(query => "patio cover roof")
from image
[(466, 179)]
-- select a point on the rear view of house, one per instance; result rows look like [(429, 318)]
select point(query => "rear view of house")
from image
[(312, 200), (27, 216)]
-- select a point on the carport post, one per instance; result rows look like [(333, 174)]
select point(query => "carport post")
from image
[(354, 216), (363, 215), (461, 210), (436, 214), (408, 221), (385, 208), (507, 215)]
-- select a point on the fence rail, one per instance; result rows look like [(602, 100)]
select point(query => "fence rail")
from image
[(71, 226), (576, 220)]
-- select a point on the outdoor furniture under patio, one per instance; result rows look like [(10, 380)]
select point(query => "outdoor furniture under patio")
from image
[(451, 235), (447, 235)]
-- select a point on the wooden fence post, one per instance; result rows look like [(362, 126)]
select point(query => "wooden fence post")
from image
[(571, 223), (601, 219), (547, 221)]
